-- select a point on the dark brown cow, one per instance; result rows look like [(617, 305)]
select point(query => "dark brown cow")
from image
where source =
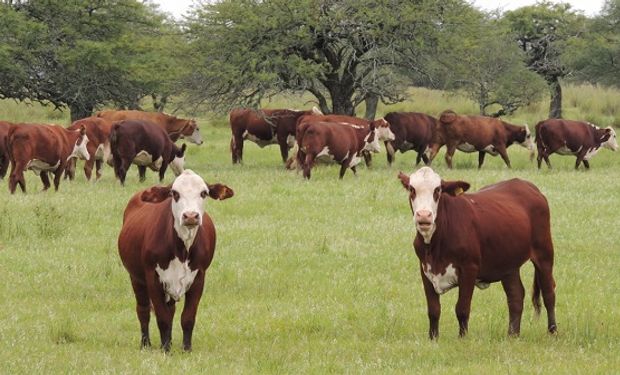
[(166, 244), (4, 153), (469, 240), (412, 131), (43, 149), (567, 137), (264, 127), (98, 132), (146, 145), (342, 143), (479, 134), (174, 126)]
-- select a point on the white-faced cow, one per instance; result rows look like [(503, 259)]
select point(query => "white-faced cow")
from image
[(264, 127), (479, 134), (177, 128), (98, 132), (467, 240), (146, 145), (166, 244), (43, 149), (342, 143), (567, 137)]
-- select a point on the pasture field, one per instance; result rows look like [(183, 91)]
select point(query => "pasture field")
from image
[(311, 276)]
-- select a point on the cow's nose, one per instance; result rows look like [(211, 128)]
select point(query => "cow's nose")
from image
[(423, 216), (191, 218)]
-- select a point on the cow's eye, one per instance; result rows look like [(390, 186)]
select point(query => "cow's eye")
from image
[(412, 191), (203, 194), (175, 195), (436, 193)]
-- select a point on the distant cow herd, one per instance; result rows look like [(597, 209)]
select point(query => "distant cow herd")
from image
[(462, 240)]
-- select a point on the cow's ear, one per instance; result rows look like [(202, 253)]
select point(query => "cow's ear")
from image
[(372, 126), (454, 188), (82, 129), (404, 179), (156, 194), (220, 192)]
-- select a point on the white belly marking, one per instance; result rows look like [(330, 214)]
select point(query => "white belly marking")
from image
[(260, 142), (38, 166), (466, 147), (442, 282), (591, 152), (176, 279)]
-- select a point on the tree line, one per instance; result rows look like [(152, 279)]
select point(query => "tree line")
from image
[(82, 54)]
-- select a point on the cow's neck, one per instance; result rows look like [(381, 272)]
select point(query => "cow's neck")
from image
[(453, 218)]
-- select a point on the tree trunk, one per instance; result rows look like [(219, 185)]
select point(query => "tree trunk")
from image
[(372, 101), (555, 107), (80, 111), (341, 101)]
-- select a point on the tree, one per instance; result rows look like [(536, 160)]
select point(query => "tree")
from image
[(343, 52), (542, 31)]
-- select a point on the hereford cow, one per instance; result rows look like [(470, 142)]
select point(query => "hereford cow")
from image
[(175, 127), (145, 145), (166, 244), (98, 132), (43, 149), (4, 153), (412, 131), (264, 127), (567, 137), (469, 240), (479, 134), (342, 143)]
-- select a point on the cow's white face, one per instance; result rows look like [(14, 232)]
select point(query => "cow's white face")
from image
[(188, 194), (612, 142), (195, 137), (371, 142), (79, 149), (528, 143), (384, 133), (425, 190)]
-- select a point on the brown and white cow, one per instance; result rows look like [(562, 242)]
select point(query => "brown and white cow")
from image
[(43, 149), (469, 240), (342, 143), (145, 145), (264, 127), (177, 128), (412, 131), (567, 137), (479, 134), (166, 244), (4, 153), (98, 132)]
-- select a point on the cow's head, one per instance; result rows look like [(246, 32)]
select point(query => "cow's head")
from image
[(384, 133), (425, 188), (191, 132), (525, 140), (609, 139), (178, 160), (371, 141), (79, 148)]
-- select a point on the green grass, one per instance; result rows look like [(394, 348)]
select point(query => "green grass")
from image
[(309, 276)]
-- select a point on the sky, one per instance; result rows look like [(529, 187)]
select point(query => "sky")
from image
[(589, 7)]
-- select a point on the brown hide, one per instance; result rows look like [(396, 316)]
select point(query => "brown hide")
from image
[(569, 137), (4, 153), (174, 126), (98, 132), (412, 131), (51, 144)]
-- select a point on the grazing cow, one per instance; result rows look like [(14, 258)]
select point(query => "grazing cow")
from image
[(166, 244), (412, 131), (175, 127), (469, 240), (342, 143), (481, 134), (567, 137), (145, 145), (264, 127), (43, 149), (98, 132), (4, 153)]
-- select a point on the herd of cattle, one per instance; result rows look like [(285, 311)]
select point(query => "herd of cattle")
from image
[(167, 241)]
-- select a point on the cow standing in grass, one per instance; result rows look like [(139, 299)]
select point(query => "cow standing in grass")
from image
[(98, 132)]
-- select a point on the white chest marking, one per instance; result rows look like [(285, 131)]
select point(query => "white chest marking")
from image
[(260, 142), (38, 166), (355, 161), (176, 279), (442, 282), (290, 141), (591, 152)]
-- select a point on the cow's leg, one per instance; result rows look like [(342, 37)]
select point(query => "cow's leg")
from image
[(481, 155), (58, 175), (282, 142), (343, 169), (4, 166), (17, 177), (121, 165), (88, 167), (98, 166), (418, 158), (543, 282), (515, 293), (504, 154), (586, 164), (162, 171), (425, 159), (390, 152), (354, 169), (142, 172), (308, 164), (188, 316), (449, 153), (164, 311), (367, 158), (45, 179), (579, 159), (143, 310), (433, 306), (70, 169), (467, 281), (236, 148)]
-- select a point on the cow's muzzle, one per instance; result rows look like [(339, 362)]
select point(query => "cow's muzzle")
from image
[(424, 219), (191, 219)]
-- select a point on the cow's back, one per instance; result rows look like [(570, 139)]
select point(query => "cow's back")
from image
[(97, 129), (555, 133), (479, 131), (411, 126), (140, 135), (35, 141)]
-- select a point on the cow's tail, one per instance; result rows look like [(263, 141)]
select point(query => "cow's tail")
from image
[(536, 294), (447, 116), (116, 159)]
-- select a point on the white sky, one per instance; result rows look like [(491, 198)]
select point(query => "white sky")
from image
[(589, 7)]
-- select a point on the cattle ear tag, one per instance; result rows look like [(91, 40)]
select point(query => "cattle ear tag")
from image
[(458, 191)]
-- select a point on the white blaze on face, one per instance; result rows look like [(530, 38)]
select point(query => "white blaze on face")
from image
[(188, 194), (528, 143), (426, 185), (80, 150), (195, 137), (612, 142), (384, 133), (374, 145)]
